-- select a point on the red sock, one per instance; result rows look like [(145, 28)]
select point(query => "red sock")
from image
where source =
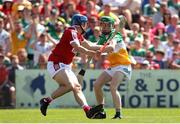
[(86, 108)]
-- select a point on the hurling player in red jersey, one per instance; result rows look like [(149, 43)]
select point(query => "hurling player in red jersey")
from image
[(59, 65)]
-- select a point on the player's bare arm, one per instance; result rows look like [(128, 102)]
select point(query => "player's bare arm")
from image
[(81, 49), (88, 45)]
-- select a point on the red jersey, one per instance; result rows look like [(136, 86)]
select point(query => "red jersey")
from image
[(63, 52)]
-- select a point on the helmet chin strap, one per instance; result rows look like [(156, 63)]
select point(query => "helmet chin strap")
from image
[(83, 31)]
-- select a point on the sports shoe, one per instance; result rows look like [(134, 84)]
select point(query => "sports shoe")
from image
[(117, 116), (43, 106), (93, 111), (100, 115)]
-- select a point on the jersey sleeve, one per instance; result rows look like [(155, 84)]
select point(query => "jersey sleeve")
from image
[(73, 37), (119, 43)]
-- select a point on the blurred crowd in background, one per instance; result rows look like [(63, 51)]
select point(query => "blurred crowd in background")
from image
[(30, 29)]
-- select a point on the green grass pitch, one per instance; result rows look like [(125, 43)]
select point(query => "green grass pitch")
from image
[(71, 115)]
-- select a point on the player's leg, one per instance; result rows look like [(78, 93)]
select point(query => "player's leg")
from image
[(65, 86), (76, 88), (116, 79), (101, 80), (80, 98)]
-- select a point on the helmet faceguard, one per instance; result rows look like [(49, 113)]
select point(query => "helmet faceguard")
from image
[(106, 24)]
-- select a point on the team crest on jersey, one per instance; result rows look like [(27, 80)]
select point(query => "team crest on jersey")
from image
[(74, 35)]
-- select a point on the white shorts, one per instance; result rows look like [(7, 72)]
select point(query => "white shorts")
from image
[(53, 69), (126, 70)]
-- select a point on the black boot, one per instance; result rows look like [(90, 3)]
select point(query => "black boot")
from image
[(93, 111), (100, 115), (117, 116), (43, 106)]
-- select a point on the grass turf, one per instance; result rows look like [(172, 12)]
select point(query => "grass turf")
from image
[(77, 116)]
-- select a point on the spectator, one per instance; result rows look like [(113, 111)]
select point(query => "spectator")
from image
[(5, 39), (36, 8), (45, 9), (176, 45), (132, 5), (52, 23), (17, 35), (23, 15), (42, 62), (11, 76), (108, 12), (7, 6), (90, 10), (151, 8), (147, 27), (62, 6), (159, 30), (81, 6), (156, 44), (152, 64), (96, 34), (177, 32), (53, 16), (145, 65), (159, 59), (147, 43), (158, 16), (42, 46), (32, 32), (5, 88), (167, 18), (18, 3), (56, 30), (92, 23), (168, 47), (14, 66), (70, 10), (175, 61), (173, 23), (22, 56), (137, 51), (135, 33), (6, 58), (174, 6)]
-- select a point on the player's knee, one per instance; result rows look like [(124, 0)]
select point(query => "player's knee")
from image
[(77, 87), (113, 88)]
